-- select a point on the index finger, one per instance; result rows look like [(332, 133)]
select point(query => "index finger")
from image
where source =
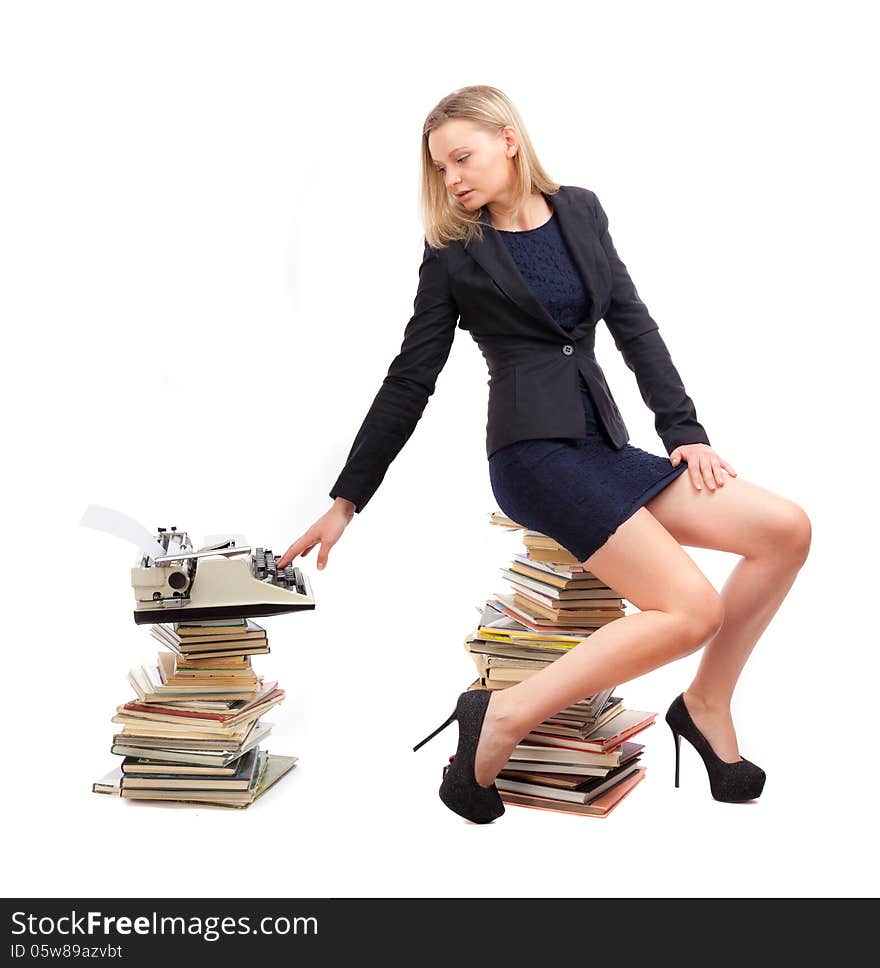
[(295, 549)]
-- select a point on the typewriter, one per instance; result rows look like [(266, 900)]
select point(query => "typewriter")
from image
[(224, 578)]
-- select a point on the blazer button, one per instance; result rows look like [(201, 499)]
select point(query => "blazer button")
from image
[(568, 349)]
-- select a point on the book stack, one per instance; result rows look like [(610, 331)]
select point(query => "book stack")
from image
[(193, 733), (582, 759)]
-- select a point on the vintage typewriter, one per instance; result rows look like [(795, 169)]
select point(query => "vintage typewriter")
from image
[(224, 578)]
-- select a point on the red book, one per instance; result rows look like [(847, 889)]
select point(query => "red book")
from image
[(268, 693), (600, 807), (607, 737)]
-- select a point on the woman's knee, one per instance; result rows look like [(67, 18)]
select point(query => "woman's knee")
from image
[(799, 531), (788, 532), (702, 615)]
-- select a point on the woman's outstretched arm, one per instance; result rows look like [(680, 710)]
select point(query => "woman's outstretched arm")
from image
[(404, 393)]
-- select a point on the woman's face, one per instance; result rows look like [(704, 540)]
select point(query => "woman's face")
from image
[(471, 159)]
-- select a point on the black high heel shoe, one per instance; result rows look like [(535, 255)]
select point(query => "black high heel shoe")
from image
[(459, 789), (729, 782)]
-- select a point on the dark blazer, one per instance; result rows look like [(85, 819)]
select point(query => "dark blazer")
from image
[(533, 362)]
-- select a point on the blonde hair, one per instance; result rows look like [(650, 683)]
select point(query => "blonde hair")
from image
[(492, 110)]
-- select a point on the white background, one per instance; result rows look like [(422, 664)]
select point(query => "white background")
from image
[(209, 244)]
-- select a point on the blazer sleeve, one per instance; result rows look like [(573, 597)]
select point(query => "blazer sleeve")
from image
[(412, 375), (638, 338)]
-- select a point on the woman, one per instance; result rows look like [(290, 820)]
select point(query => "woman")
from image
[(528, 266)]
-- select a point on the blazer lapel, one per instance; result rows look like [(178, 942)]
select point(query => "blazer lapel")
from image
[(576, 228), (493, 255)]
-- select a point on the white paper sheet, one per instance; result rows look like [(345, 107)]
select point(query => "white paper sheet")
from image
[(121, 526)]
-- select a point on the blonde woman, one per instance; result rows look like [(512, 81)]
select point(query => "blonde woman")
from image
[(528, 267)]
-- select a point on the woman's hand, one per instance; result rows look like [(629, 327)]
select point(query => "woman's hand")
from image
[(703, 464), (326, 531)]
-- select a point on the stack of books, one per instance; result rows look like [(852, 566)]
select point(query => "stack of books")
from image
[(582, 759), (193, 733)]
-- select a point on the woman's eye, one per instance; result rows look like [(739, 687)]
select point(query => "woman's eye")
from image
[(460, 160)]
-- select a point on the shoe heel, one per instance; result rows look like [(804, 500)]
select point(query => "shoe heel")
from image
[(436, 731), (677, 737)]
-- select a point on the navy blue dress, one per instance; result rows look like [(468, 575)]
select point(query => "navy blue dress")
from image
[(575, 491)]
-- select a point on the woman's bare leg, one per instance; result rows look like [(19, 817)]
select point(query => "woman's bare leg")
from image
[(679, 611), (773, 536)]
